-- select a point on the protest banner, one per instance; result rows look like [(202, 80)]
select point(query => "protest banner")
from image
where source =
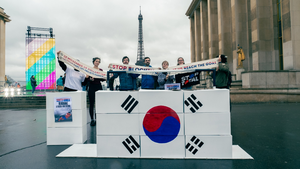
[(76, 64)]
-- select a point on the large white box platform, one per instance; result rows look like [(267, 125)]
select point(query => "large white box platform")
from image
[(212, 100), (118, 146), (68, 132), (118, 124), (208, 146), (207, 124), (66, 136)]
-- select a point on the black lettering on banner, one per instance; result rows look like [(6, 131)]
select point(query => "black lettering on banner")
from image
[(193, 149), (131, 148), (129, 104), (192, 100)]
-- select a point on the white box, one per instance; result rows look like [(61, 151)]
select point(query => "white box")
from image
[(172, 149), (117, 102), (118, 124), (207, 124), (79, 119), (216, 100), (118, 146), (78, 99), (149, 99), (208, 146), (66, 136), (161, 124)]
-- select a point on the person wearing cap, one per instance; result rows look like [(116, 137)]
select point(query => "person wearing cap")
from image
[(74, 78), (222, 72)]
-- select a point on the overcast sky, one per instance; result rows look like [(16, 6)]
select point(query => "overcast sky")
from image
[(104, 28)]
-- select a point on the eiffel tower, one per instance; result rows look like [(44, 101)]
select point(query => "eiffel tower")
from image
[(140, 52)]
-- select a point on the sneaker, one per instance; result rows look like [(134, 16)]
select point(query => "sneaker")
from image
[(93, 123)]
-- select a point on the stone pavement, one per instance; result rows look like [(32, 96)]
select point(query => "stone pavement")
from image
[(269, 132)]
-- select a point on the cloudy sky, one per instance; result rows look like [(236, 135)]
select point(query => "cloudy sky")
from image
[(104, 28)]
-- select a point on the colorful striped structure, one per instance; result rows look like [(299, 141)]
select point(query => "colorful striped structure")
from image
[(40, 62)]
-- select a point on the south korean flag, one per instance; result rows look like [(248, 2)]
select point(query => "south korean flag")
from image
[(161, 124)]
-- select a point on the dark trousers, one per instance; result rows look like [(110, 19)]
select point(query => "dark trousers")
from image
[(69, 90), (92, 89)]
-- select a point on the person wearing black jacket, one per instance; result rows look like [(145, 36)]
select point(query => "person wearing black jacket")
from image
[(94, 85)]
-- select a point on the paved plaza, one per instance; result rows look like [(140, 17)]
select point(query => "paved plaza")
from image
[(269, 132)]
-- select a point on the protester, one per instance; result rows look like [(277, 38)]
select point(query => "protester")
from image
[(33, 83), (222, 72), (164, 77), (148, 81), (94, 85), (127, 80), (180, 61), (74, 78), (59, 84)]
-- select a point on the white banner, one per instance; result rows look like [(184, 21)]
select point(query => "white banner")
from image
[(81, 66), (206, 64)]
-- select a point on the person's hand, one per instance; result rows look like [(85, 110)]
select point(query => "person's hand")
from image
[(167, 76), (87, 76)]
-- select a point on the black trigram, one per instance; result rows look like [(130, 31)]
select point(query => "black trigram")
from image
[(130, 101), (133, 147), (195, 141), (193, 103)]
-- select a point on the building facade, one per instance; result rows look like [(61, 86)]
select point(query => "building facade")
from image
[(266, 30), (3, 19)]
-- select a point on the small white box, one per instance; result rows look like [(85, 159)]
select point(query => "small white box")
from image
[(149, 99), (118, 146), (208, 146), (216, 100), (172, 149), (117, 102), (118, 124), (78, 99), (161, 124), (66, 136), (79, 119), (207, 124)]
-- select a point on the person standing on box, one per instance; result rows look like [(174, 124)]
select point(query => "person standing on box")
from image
[(127, 80), (164, 77), (74, 78), (94, 85)]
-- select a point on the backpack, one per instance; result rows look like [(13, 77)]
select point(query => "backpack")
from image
[(229, 80)]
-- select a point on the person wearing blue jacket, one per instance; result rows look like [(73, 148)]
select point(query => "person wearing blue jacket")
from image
[(148, 81), (127, 80), (164, 77)]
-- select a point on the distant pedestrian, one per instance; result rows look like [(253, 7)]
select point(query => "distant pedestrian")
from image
[(33, 83), (59, 84)]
